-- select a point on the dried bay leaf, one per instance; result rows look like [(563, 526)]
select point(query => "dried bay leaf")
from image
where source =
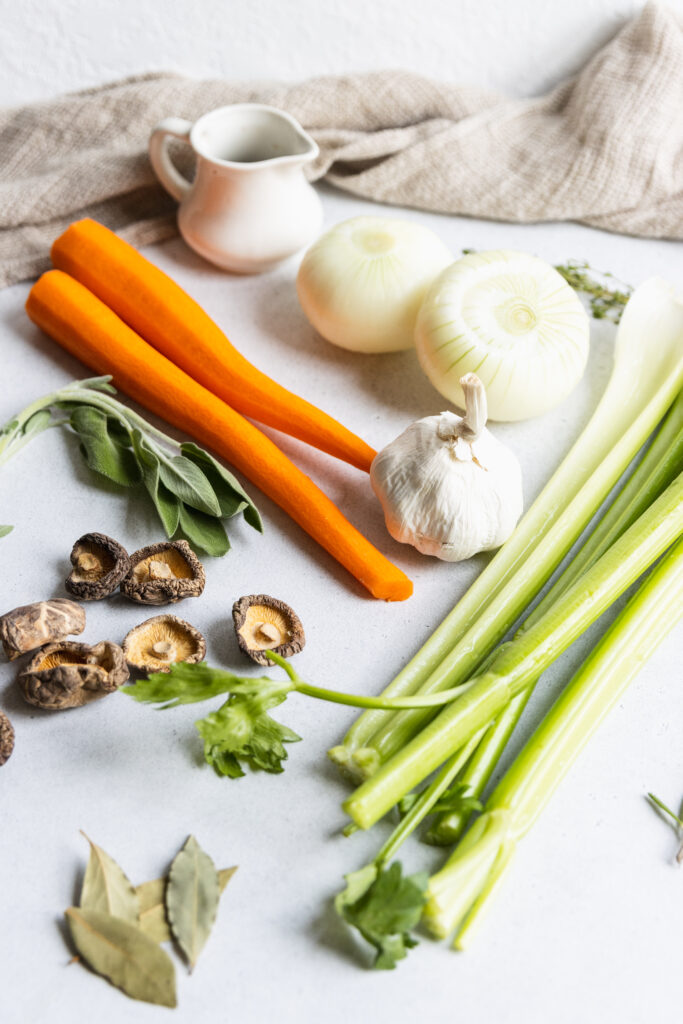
[(192, 895), (153, 920), (106, 887), (124, 954)]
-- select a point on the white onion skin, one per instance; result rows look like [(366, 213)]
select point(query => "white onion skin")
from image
[(362, 283), (514, 321)]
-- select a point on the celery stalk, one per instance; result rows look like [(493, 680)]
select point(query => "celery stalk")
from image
[(662, 462), (645, 380), (464, 886), (519, 663)]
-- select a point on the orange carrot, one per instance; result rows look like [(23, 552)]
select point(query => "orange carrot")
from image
[(165, 316), (89, 330)]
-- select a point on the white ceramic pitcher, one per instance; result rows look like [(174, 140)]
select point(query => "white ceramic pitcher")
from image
[(249, 206)]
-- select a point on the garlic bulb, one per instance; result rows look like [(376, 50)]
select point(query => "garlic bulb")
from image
[(361, 284), (513, 320), (447, 486)]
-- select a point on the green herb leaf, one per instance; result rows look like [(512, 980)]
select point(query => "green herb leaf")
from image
[(192, 895), (166, 504), (231, 495), (102, 383), (4, 530), (606, 302), (188, 483), (184, 684), (204, 532), (124, 954), (677, 822), (151, 898), (100, 451), (242, 730), (384, 906), (39, 422), (455, 800), (106, 887)]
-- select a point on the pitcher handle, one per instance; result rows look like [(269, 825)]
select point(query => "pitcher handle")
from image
[(169, 176)]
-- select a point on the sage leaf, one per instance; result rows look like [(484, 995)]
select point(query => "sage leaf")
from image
[(4, 530), (232, 497), (188, 483), (123, 954), (102, 383), (166, 504), (106, 887), (153, 920), (204, 531), (100, 451), (192, 895), (40, 421)]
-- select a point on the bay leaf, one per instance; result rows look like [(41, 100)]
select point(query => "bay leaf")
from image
[(153, 920), (107, 888), (124, 954), (192, 895)]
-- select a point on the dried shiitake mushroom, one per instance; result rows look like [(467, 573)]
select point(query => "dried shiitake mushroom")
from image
[(6, 738), (164, 573), (32, 625), (99, 565), (69, 674), (263, 623), (159, 642)]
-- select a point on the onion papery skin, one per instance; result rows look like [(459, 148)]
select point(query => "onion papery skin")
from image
[(361, 284), (511, 319)]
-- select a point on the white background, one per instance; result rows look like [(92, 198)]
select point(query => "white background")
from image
[(588, 926)]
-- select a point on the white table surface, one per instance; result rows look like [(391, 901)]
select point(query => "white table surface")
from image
[(588, 926)]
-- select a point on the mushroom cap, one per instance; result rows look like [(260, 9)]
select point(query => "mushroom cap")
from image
[(32, 625), (6, 738), (159, 642), (164, 573), (264, 623), (69, 674), (99, 564)]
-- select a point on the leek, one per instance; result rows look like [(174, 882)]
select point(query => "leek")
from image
[(644, 383), (463, 888)]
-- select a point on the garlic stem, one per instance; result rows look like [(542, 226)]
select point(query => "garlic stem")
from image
[(474, 419)]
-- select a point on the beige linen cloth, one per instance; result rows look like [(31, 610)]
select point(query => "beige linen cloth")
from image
[(605, 148)]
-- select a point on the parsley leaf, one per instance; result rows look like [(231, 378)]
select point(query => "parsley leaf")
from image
[(455, 800), (242, 729), (384, 906)]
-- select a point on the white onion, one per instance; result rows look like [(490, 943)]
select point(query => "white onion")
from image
[(511, 319), (361, 284)]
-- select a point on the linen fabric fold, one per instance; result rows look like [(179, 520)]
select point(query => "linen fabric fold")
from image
[(604, 148)]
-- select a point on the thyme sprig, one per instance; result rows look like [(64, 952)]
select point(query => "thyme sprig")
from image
[(606, 301)]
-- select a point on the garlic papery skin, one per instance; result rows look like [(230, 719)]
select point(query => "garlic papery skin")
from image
[(446, 485), (362, 283), (513, 320)]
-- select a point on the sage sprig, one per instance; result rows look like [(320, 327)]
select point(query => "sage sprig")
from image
[(191, 491)]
